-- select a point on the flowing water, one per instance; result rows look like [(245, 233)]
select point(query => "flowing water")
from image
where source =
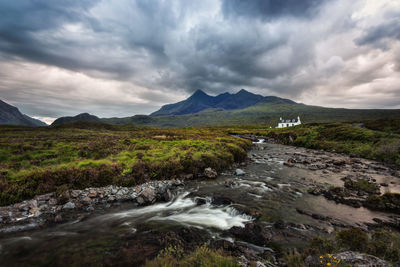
[(268, 190)]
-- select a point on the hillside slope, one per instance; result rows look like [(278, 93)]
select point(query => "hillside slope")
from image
[(12, 116), (83, 117)]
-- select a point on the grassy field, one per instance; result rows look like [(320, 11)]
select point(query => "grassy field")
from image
[(381, 142), (79, 155)]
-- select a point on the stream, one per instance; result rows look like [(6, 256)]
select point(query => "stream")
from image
[(269, 193)]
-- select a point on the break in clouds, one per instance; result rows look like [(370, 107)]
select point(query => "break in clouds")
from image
[(120, 58)]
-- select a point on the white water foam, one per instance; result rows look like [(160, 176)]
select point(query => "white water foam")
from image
[(186, 211)]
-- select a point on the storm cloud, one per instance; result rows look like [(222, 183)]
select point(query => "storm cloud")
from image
[(120, 58)]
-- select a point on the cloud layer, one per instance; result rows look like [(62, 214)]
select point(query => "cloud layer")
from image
[(119, 58)]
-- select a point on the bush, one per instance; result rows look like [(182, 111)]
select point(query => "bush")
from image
[(202, 257), (354, 239)]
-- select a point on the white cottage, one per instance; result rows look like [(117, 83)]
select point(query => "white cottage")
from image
[(288, 123)]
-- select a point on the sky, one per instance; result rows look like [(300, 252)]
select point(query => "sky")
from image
[(127, 57)]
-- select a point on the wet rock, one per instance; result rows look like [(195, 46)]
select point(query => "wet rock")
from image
[(210, 173), (44, 197), (92, 194), (32, 203), (289, 164), (69, 205), (75, 193), (239, 172), (200, 201), (86, 200), (187, 176), (52, 201), (166, 195), (221, 200), (316, 191), (34, 210), (133, 196), (23, 206), (58, 218), (229, 183), (252, 233), (148, 195)]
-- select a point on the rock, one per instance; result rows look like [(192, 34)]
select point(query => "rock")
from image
[(86, 200), (229, 183), (58, 218), (37, 213), (210, 173), (239, 172), (221, 200), (384, 184), (92, 194), (338, 162), (200, 201), (289, 164), (34, 210), (44, 197), (140, 200), (360, 259), (133, 196), (32, 203), (187, 176), (167, 195), (252, 233), (23, 206), (52, 201), (75, 193), (148, 195), (69, 205), (316, 191)]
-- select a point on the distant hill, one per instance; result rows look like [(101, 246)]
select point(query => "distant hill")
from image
[(244, 107), (83, 117), (200, 101), (12, 116)]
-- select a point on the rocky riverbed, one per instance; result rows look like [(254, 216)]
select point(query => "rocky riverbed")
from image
[(74, 204), (277, 199)]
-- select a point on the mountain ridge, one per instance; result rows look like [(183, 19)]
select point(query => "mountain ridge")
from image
[(12, 116), (200, 101)]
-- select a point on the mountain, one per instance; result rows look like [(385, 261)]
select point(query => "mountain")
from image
[(12, 116), (201, 101), (83, 117), (244, 107)]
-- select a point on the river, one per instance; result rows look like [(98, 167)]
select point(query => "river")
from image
[(269, 194)]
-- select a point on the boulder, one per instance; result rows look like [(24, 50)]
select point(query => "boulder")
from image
[(148, 195), (69, 205), (210, 173), (239, 172)]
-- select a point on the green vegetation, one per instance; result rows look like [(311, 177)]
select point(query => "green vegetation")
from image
[(263, 112), (386, 202), (79, 155), (346, 138), (361, 186), (384, 244), (202, 257), (384, 125)]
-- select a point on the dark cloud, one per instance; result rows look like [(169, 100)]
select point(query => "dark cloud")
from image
[(380, 35), (131, 56), (270, 9)]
